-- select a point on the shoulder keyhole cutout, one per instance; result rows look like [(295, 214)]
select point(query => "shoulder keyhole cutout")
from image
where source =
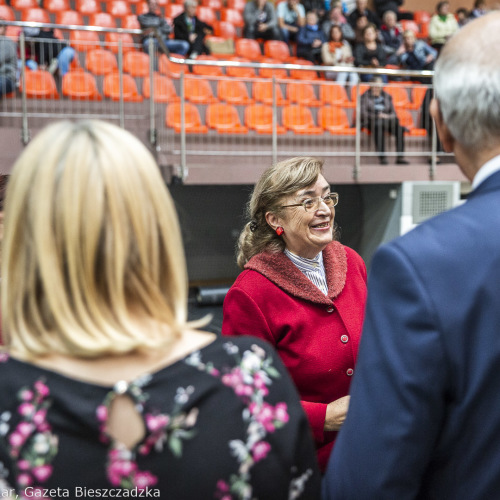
[(125, 424)]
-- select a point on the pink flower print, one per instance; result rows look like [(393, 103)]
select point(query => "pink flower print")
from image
[(260, 384), (3, 357), (25, 429), (281, 413), (26, 409), (119, 469), (23, 465), (214, 372), (42, 472), (24, 479), (39, 417), (156, 422), (16, 439), (102, 413), (243, 390), (260, 450), (265, 416), (222, 485), (26, 395), (144, 479), (42, 389)]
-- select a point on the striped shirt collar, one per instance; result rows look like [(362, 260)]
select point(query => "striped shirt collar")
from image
[(312, 268)]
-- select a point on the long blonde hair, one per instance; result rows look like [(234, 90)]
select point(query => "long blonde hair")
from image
[(91, 243), (276, 183)]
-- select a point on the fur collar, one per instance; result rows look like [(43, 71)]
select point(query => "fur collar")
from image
[(279, 269)]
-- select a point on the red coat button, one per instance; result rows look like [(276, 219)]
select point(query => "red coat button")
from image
[(330, 309), (349, 372), (344, 339)]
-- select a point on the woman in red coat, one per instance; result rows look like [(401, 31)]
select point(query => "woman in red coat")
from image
[(301, 290)]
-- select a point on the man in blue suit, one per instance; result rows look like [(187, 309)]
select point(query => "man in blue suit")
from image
[(424, 414)]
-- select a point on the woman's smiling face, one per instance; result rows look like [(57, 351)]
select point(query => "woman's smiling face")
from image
[(306, 233)]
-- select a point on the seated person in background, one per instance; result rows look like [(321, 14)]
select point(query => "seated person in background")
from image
[(361, 24), (337, 52), (310, 39), (417, 55), (50, 52), (191, 29), (462, 16), (362, 10), (317, 6), (260, 20), (370, 53), (382, 6), (480, 9), (291, 17), (153, 17), (336, 17), (8, 63), (105, 382), (379, 117), (392, 36), (442, 25)]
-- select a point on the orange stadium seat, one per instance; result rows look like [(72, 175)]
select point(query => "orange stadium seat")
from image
[(363, 87), (141, 8), (408, 24), (249, 48), (232, 16), (171, 69), (263, 92), (13, 32), (334, 94), (206, 14), (70, 17), (7, 13), (421, 16), (302, 93), (334, 120), (225, 119), (299, 119), (302, 74), (130, 22), (55, 6), (102, 19), (199, 91), (240, 72), (84, 40), (111, 87), (87, 7), (112, 42), (100, 61), (406, 120), (276, 49), (233, 92), (35, 15), (259, 117), (163, 88), (236, 4), (40, 84), (207, 70), (192, 120), (80, 85), (118, 8), (225, 30), (136, 63), (172, 10), (23, 4), (399, 95), (270, 72), (213, 4), (417, 97)]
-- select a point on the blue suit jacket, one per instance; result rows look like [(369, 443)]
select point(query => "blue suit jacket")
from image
[(424, 417)]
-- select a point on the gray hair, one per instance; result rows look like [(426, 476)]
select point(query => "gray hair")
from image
[(467, 86)]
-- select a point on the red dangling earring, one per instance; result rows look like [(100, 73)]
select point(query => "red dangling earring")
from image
[(279, 230)]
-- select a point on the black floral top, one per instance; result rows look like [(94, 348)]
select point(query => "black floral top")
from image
[(223, 423)]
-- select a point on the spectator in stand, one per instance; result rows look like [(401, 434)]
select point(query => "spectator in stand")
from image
[(8, 63), (336, 17), (379, 117), (318, 6), (310, 39), (260, 20), (291, 17), (462, 16), (362, 10), (50, 52), (417, 55), (370, 53), (382, 6), (361, 24), (442, 25), (479, 9), (191, 29), (337, 52), (392, 36), (164, 29)]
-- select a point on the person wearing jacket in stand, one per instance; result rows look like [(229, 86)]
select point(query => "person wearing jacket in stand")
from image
[(310, 39), (260, 20)]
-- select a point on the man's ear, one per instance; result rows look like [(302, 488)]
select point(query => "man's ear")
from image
[(444, 134), (273, 220)]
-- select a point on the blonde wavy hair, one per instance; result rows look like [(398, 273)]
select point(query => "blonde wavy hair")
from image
[(92, 249), (276, 183)]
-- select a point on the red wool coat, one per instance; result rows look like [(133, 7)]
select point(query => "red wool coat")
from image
[(317, 336)]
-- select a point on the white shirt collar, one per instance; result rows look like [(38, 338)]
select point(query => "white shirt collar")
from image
[(489, 168)]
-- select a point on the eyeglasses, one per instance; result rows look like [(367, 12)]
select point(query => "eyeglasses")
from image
[(312, 204)]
